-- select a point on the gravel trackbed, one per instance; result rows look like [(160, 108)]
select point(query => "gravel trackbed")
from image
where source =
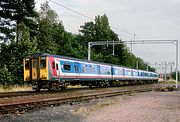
[(143, 107), (140, 107)]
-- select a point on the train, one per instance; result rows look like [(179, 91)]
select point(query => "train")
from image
[(48, 71)]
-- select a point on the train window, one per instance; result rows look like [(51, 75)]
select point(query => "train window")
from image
[(88, 68), (34, 63), (131, 73), (57, 66), (67, 67), (105, 70), (27, 64), (108, 72), (83, 68), (91, 68), (116, 72), (75, 68), (43, 62), (53, 65), (123, 72), (128, 73)]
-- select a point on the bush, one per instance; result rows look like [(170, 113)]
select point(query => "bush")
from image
[(6, 77), (174, 76)]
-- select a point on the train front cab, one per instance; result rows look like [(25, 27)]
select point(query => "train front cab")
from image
[(36, 71)]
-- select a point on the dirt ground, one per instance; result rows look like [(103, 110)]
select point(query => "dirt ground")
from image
[(141, 107), (144, 107)]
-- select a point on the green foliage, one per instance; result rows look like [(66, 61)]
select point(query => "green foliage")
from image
[(51, 37), (50, 30), (100, 31), (16, 11), (174, 76), (12, 55), (47, 14), (6, 77)]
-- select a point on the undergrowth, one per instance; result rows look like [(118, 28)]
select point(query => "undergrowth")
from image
[(14, 88)]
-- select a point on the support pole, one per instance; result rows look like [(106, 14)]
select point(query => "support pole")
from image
[(113, 47), (131, 46), (165, 75), (137, 65), (147, 68), (177, 64), (89, 51)]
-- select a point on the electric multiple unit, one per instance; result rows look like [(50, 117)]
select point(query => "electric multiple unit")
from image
[(47, 71)]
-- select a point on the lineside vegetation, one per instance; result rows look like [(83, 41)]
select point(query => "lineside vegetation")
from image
[(24, 31)]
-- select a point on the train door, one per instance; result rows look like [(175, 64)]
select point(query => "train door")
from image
[(27, 69), (34, 68), (98, 71), (43, 68), (58, 68), (123, 72), (77, 70)]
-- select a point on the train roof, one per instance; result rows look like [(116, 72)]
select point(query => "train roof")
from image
[(83, 60)]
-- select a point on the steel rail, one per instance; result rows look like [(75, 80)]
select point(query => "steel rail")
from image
[(26, 106)]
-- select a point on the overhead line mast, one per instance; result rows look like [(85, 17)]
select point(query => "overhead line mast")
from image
[(175, 42)]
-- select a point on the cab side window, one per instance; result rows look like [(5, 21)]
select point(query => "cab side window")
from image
[(53, 65), (43, 62), (27, 63)]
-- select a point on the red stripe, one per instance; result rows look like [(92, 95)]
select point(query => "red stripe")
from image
[(51, 59), (85, 77)]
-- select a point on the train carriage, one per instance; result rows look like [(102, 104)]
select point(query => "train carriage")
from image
[(47, 71)]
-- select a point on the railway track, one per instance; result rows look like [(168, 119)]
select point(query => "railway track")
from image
[(30, 93), (23, 106)]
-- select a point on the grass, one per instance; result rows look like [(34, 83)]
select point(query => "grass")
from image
[(85, 110), (171, 81), (25, 87), (15, 88)]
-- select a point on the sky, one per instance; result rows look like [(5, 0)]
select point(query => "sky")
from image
[(148, 19)]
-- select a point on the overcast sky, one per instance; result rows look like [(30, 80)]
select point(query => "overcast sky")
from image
[(148, 19)]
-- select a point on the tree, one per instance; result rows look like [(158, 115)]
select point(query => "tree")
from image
[(14, 12), (12, 56), (174, 75), (101, 31), (5, 76), (47, 14), (52, 37), (48, 24), (88, 33)]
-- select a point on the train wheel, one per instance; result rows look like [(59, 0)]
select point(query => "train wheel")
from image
[(37, 89), (63, 88), (90, 85), (50, 86)]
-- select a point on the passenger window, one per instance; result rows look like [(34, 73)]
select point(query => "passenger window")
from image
[(67, 67), (57, 66), (34, 64), (108, 72), (83, 68), (43, 62), (27, 64)]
